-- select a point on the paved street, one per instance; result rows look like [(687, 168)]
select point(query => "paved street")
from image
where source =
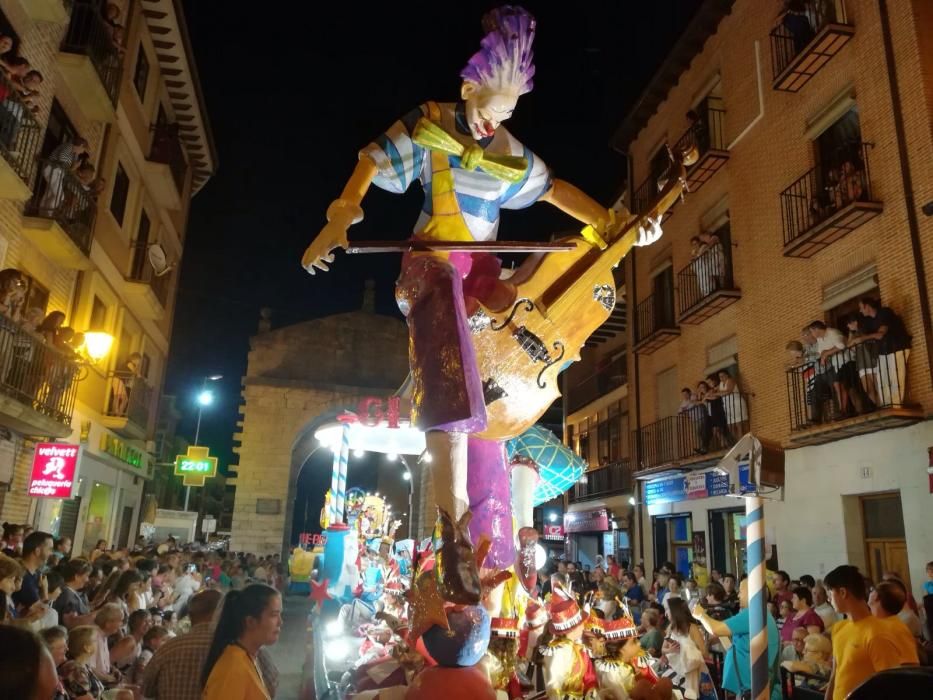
[(289, 652)]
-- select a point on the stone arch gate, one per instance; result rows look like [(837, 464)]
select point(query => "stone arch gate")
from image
[(298, 377)]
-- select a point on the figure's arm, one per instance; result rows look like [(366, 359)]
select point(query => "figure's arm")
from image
[(604, 223), (341, 214)]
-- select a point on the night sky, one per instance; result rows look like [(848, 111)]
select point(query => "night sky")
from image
[(293, 95)]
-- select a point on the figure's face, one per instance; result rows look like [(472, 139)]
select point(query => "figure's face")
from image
[(631, 650), (486, 107)]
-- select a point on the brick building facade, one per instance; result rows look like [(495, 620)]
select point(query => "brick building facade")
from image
[(805, 177), (84, 248)]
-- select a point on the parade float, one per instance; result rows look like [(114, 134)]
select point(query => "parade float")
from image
[(459, 615)]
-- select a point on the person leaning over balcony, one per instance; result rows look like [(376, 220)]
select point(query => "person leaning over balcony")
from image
[(65, 158), (830, 344), (733, 401), (886, 327), (866, 358)]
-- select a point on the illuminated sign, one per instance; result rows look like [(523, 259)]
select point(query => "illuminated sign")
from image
[(196, 466), (53, 470), (587, 521), (312, 539), (554, 533), (117, 448)]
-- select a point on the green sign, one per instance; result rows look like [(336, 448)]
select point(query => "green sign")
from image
[(196, 466)]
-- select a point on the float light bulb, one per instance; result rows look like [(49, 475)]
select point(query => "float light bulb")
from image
[(406, 476), (631, 500), (426, 457), (359, 454), (540, 557), (391, 456)]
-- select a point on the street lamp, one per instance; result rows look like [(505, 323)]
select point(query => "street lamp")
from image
[(205, 398)]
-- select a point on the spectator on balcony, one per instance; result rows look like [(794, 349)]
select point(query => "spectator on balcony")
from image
[(64, 159), (866, 359), (12, 293), (699, 130), (6, 47), (51, 327), (699, 413), (123, 384), (830, 344), (795, 21), (887, 328), (733, 401), (709, 264), (718, 423)]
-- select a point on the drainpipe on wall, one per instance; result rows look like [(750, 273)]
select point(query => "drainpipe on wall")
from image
[(913, 225), (631, 287)]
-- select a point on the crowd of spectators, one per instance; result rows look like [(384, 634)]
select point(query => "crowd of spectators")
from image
[(853, 367), (125, 624), (868, 627)]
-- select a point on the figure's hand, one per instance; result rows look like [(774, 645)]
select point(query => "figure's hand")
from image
[(647, 236), (319, 254), (341, 214)]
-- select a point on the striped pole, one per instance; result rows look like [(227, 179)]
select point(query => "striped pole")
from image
[(757, 603), (334, 489), (340, 463)]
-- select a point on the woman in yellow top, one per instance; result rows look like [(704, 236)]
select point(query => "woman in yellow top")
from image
[(250, 619)]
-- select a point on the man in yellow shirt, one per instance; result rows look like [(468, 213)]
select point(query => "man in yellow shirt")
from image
[(862, 644)]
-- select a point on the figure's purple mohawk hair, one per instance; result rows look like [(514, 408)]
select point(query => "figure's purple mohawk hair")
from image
[(505, 56)]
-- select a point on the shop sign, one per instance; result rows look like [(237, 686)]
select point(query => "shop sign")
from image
[(54, 466), (587, 521), (554, 533), (316, 539), (115, 447), (702, 484)]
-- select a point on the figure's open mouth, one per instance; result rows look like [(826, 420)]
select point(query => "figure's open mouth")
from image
[(484, 127)]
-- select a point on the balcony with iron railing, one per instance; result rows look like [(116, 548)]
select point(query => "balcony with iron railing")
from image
[(706, 139), (705, 285), (20, 140), (655, 326), (604, 380), (146, 292), (59, 219), (38, 383), (607, 480), (695, 437), (803, 42), (129, 406), (647, 193), (91, 61), (828, 202), (166, 166), (860, 390)]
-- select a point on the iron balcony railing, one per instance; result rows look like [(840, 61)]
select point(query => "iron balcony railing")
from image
[(859, 380), (703, 276), (62, 196), (131, 398), (20, 133), (825, 189), (652, 315), (707, 132), (36, 374), (167, 149), (798, 29), (600, 383), (612, 478), (89, 35), (709, 426)]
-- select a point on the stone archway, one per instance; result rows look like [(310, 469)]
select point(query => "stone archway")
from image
[(299, 376)]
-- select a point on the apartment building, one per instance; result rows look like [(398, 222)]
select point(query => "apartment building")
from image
[(97, 238), (808, 196)]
